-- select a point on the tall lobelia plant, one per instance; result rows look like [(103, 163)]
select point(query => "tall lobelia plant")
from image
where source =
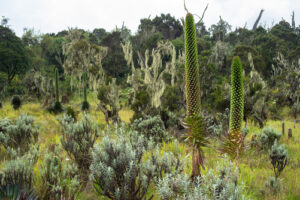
[(56, 87), (194, 122), (234, 142), (85, 104), (57, 108)]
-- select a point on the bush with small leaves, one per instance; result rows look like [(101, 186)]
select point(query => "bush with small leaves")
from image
[(19, 170), (14, 192), (171, 98), (85, 105), (55, 108), (245, 131), (77, 139), (278, 156), (71, 112), (59, 180), (0, 104), (20, 134), (16, 102), (217, 124), (268, 137), (170, 119), (151, 127), (216, 185), (122, 168), (141, 103), (274, 184)]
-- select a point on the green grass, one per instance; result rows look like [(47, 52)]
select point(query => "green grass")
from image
[(255, 167)]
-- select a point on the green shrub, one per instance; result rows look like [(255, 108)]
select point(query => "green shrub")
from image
[(278, 156), (171, 98), (59, 180), (0, 104), (216, 185), (268, 137), (70, 112), (19, 170), (102, 94), (150, 127), (274, 184), (119, 171), (216, 124), (141, 105), (77, 139), (16, 102), (14, 192), (55, 107), (20, 134), (170, 119), (85, 105)]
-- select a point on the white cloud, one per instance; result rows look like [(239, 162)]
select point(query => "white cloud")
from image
[(56, 15)]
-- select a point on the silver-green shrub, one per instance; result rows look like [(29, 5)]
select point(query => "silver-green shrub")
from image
[(20, 134), (279, 157), (273, 184), (78, 138), (268, 137), (125, 163), (19, 170), (219, 184), (59, 179), (151, 128)]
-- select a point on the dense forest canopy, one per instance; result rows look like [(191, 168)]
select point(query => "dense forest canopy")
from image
[(274, 53)]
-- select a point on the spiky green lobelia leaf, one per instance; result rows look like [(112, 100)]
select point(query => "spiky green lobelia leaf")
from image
[(192, 83), (237, 95)]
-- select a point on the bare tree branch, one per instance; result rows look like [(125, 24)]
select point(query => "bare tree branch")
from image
[(257, 20)]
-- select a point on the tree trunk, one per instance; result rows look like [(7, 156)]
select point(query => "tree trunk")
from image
[(195, 163)]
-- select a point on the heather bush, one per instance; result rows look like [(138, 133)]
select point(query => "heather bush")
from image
[(77, 139), (151, 127), (70, 112), (19, 170), (279, 157), (268, 137), (20, 134), (273, 185), (16, 102), (122, 168), (59, 179), (170, 119), (219, 184), (16, 192)]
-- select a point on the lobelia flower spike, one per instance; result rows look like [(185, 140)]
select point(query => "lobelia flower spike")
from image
[(194, 121), (234, 142)]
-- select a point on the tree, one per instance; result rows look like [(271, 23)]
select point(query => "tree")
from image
[(114, 63), (83, 59), (168, 26), (13, 56), (220, 29)]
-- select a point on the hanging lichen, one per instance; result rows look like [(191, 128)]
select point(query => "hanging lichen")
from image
[(151, 75), (83, 57)]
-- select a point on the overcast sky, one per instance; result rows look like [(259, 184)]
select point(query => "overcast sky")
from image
[(55, 15)]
